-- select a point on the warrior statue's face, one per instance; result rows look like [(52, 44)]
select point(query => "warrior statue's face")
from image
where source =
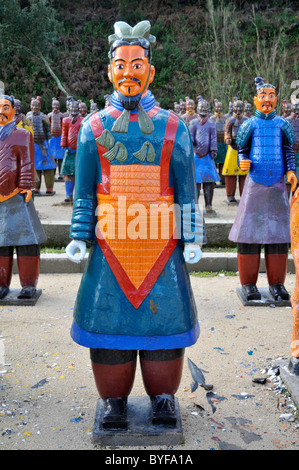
[(7, 112), (74, 109), (190, 107), (55, 107), (295, 108), (266, 100), (83, 109), (287, 108), (203, 108), (18, 106), (219, 109), (35, 106), (130, 71), (238, 108)]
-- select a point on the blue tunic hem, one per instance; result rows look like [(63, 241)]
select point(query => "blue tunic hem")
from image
[(126, 342)]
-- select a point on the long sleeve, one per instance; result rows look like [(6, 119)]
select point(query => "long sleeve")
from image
[(288, 154), (85, 204), (191, 218), (64, 133), (214, 145), (26, 163)]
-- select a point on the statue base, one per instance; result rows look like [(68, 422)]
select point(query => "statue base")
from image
[(266, 299), (45, 194), (290, 379), (141, 431), (12, 298)]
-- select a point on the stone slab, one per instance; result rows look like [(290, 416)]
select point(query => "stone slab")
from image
[(140, 432), (266, 299), (12, 298), (290, 380)]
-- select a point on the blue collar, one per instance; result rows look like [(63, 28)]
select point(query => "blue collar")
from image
[(6, 130), (147, 102), (266, 117)]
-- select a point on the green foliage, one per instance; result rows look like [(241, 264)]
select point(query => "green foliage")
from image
[(29, 27), (213, 48)]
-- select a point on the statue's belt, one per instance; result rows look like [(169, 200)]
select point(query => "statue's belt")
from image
[(5, 198)]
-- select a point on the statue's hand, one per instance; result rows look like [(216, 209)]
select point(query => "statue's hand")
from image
[(192, 253), (245, 165), (292, 178), (28, 193), (74, 247)]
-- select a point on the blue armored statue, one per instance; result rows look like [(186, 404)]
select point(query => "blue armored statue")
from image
[(265, 148)]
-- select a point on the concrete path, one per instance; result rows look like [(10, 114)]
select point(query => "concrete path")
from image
[(48, 398)]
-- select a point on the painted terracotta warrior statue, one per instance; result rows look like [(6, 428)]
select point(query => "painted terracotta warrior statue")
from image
[(21, 119), (247, 109), (93, 106), (55, 120), (231, 170), (20, 225), (135, 153), (265, 150), (44, 162), (82, 108), (286, 109), (190, 111), (219, 119), (204, 137), (69, 136)]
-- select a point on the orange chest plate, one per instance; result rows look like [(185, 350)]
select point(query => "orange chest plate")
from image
[(136, 218)]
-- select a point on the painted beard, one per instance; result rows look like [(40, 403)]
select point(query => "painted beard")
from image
[(129, 102)]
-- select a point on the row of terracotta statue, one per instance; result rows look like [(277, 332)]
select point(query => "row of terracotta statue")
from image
[(55, 140), (215, 143)]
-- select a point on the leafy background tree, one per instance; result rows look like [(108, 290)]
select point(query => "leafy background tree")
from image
[(212, 48)]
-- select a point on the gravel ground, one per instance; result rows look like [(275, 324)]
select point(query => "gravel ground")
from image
[(48, 396)]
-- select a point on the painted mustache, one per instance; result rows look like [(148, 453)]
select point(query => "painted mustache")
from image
[(266, 104), (133, 79), (3, 116)]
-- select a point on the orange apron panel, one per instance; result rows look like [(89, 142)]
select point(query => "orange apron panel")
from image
[(134, 219)]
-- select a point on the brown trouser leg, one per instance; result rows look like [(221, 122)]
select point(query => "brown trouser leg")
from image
[(241, 183), (49, 176), (28, 258), (248, 263), (276, 258), (114, 372), (162, 371), (6, 262), (230, 186)]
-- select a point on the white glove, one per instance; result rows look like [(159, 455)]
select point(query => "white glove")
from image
[(73, 248), (192, 253)]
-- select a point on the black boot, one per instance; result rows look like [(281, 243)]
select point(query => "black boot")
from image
[(115, 413), (3, 291), (163, 410), (27, 292), (278, 290), (251, 292), (294, 365)]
